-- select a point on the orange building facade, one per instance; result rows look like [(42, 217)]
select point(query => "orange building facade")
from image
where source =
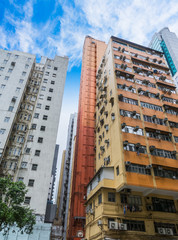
[(134, 192), (84, 159)]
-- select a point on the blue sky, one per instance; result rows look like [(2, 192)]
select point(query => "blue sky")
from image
[(49, 27)]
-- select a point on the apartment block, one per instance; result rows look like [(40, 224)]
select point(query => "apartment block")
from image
[(84, 156), (134, 192), (66, 174), (167, 42), (30, 104)]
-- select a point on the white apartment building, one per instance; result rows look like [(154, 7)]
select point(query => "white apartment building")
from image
[(30, 104)]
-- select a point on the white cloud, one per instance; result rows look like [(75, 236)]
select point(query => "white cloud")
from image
[(134, 20)]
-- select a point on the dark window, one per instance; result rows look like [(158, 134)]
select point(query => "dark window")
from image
[(163, 205), (33, 126), (165, 226), (99, 198), (27, 200), (111, 197), (163, 153), (31, 182), (43, 128), (37, 153), (49, 98), (135, 225), (47, 107), (40, 140), (166, 173), (142, 169), (117, 170), (53, 82), (55, 68), (45, 117), (34, 167), (27, 150), (51, 90)]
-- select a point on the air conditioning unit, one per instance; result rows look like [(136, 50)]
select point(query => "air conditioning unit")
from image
[(127, 163), (149, 207), (91, 211), (161, 231), (168, 231), (122, 226), (113, 225), (149, 166), (100, 222)]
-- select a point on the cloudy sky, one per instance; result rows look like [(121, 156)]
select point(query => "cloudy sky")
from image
[(49, 27)]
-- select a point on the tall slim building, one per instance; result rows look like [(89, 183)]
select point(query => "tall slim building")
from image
[(84, 159), (134, 192), (167, 42), (30, 104), (66, 175)]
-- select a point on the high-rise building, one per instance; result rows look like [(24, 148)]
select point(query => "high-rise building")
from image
[(30, 104), (84, 159), (167, 42), (133, 194), (65, 185)]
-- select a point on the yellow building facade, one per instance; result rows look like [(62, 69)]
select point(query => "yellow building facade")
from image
[(134, 192)]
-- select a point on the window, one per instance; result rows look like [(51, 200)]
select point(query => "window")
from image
[(10, 108), (6, 119), (132, 200), (54, 75), (163, 153), (111, 197), (2, 131), (27, 150), (99, 177), (53, 82), (45, 117), (47, 107), (43, 128), (33, 126), (47, 73), (126, 88), (128, 100), (27, 200), (165, 226), (153, 119), (135, 148), (43, 88), (99, 199), (37, 153), (40, 140), (16, 56), (50, 90), (49, 98), (31, 182), (26, 66), (21, 81), (133, 130), (151, 106), (45, 80), (141, 169), (48, 66), (165, 173), (3, 86), (6, 78), (36, 115), (29, 59), (23, 73), (176, 139), (133, 114), (117, 170), (5, 61), (10, 70), (135, 225), (160, 136), (163, 205), (55, 68), (34, 167), (38, 105), (20, 179), (17, 90)]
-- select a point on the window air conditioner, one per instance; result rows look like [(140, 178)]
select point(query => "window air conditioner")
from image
[(127, 163), (161, 231), (168, 231), (113, 225), (122, 226)]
